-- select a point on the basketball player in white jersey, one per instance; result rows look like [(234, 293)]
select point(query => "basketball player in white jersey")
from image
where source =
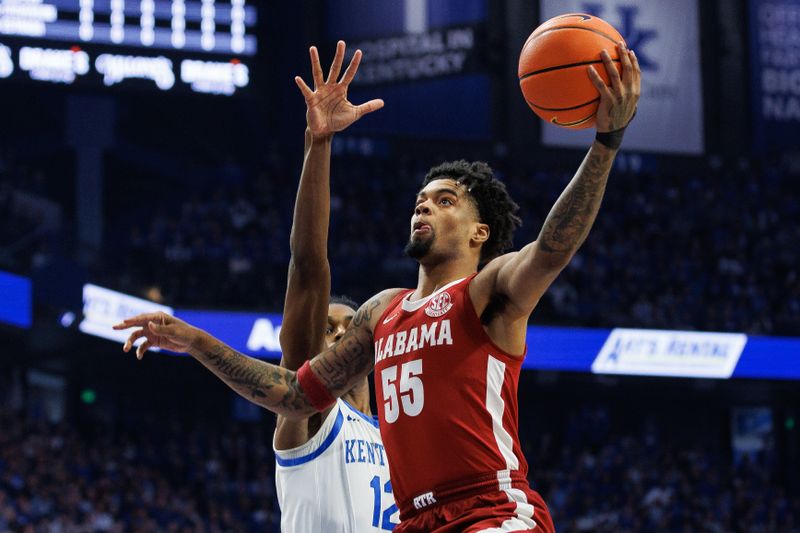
[(332, 474), (448, 353)]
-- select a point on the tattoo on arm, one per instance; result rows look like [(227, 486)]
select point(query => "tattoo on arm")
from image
[(277, 388), (265, 384), (353, 355), (364, 314), (573, 214)]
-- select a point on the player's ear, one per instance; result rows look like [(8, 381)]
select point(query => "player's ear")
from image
[(480, 234)]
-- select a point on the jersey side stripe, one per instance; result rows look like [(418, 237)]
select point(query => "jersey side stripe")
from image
[(337, 427), (525, 510), (512, 524), (523, 519), (495, 376)]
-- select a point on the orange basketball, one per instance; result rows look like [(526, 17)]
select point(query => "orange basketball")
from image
[(553, 63)]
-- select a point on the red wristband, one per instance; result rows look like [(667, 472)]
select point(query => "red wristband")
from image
[(317, 393)]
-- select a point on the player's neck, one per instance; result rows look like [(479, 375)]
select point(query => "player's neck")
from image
[(433, 277)]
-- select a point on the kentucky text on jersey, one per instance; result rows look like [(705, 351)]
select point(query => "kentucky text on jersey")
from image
[(363, 451), (338, 481), (407, 341)]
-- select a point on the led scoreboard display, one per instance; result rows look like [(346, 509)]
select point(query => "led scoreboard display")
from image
[(204, 46)]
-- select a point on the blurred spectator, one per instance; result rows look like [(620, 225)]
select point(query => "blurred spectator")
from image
[(598, 480), (596, 477), (54, 478), (712, 252)]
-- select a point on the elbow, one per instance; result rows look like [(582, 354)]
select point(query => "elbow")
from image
[(558, 262), (286, 408), (294, 404), (558, 253), (553, 260), (309, 264)]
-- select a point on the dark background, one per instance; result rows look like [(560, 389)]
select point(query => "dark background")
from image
[(119, 172)]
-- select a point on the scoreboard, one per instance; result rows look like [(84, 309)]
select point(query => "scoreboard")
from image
[(204, 46)]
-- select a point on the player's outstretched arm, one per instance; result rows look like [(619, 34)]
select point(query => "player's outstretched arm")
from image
[(525, 276), (308, 287), (332, 372)]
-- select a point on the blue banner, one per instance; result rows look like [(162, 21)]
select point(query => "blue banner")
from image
[(424, 58), (775, 72), (432, 108), (15, 304), (620, 351), (357, 19), (666, 39), (770, 358), (250, 333)]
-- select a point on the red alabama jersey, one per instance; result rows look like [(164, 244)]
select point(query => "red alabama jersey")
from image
[(447, 401)]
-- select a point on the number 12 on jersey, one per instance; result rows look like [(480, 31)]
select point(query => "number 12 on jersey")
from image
[(382, 521), (408, 393)]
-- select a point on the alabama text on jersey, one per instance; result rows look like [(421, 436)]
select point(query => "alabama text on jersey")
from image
[(447, 396)]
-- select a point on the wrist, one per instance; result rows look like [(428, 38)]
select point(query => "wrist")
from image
[(613, 139), (602, 142), (318, 139), (202, 343)]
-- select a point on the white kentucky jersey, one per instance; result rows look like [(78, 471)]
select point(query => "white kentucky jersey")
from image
[(338, 481)]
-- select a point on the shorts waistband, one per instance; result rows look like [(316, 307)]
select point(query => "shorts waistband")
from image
[(483, 483)]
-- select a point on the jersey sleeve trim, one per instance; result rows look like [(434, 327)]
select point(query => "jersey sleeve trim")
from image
[(372, 420), (292, 458)]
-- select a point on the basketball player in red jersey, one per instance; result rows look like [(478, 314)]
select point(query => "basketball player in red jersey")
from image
[(447, 354)]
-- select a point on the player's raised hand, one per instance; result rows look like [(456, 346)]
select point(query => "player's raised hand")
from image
[(159, 330), (328, 109), (617, 102)]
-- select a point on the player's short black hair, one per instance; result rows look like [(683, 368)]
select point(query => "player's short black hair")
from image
[(495, 206), (343, 300)]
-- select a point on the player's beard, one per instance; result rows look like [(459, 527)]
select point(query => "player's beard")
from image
[(419, 248)]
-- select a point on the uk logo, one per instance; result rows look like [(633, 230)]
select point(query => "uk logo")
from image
[(439, 305), (635, 36)]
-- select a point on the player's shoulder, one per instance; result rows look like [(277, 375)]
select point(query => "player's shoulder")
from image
[(381, 301), (489, 272), (372, 309)]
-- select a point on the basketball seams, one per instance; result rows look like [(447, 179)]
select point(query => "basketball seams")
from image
[(584, 28), (573, 123), (584, 16), (555, 68), (559, 67)]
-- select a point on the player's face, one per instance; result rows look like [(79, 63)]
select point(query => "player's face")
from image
[(443, 219), (339, 317)]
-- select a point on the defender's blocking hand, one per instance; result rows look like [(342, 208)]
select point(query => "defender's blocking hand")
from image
[(328, 109)]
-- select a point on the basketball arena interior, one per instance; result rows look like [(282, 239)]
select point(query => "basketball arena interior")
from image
[(150, 153)]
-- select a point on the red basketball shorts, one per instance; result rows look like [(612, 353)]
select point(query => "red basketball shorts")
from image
[(510, 510)]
